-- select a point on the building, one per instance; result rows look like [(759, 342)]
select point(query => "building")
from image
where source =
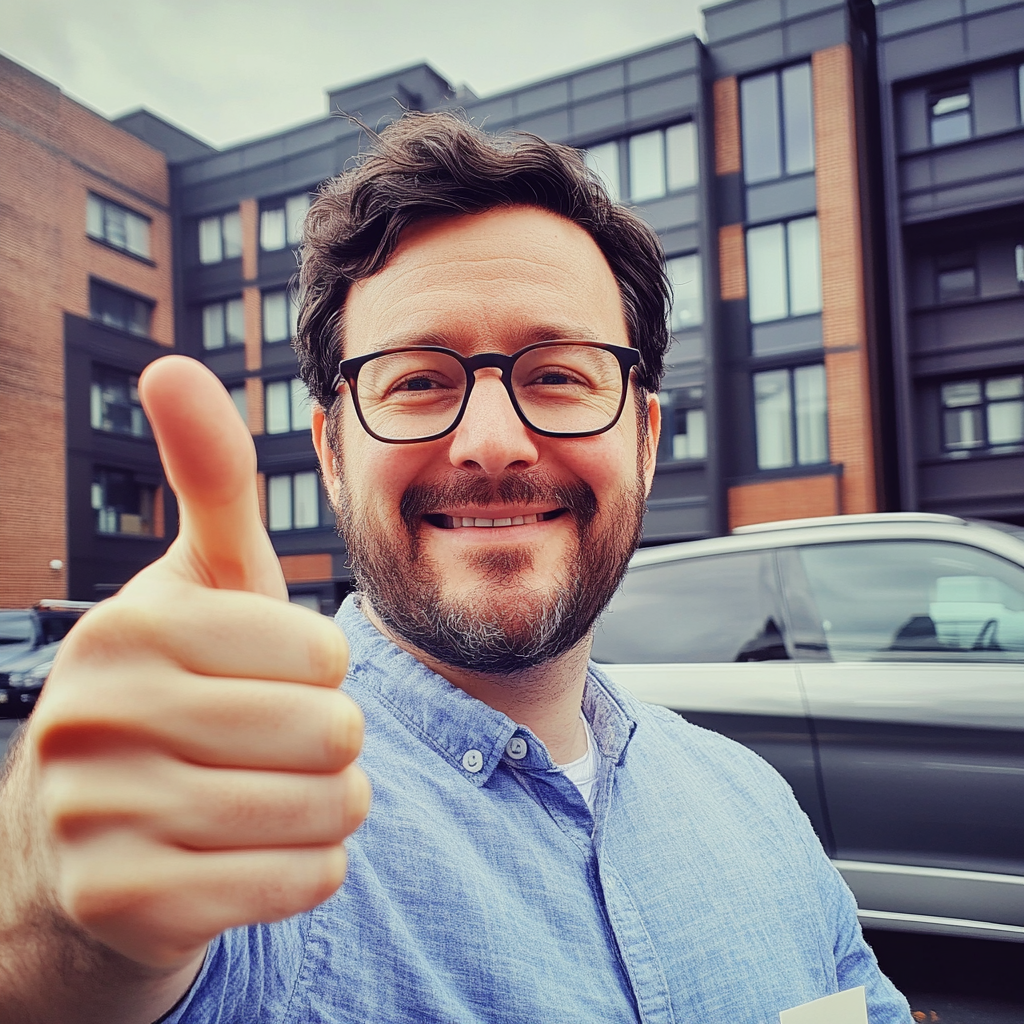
[(838, 186), (86, 300)]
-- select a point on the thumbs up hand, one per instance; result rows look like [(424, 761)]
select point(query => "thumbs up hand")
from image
[(191, 757)]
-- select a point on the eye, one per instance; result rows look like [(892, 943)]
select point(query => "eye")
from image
[(416, 384)]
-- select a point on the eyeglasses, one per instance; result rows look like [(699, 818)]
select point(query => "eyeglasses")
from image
[(557, 388)]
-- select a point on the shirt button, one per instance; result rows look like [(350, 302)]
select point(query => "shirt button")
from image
[(472, 761), (516, 748)]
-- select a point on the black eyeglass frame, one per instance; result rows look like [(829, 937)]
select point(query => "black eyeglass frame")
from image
[(348, 370)]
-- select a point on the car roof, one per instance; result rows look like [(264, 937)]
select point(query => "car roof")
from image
[(908, 526)]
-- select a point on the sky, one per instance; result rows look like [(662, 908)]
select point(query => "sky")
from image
[(228, 70)]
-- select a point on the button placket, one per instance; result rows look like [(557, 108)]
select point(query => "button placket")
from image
[(472, 761)]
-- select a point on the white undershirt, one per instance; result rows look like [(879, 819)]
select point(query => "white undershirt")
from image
[(583, 771)]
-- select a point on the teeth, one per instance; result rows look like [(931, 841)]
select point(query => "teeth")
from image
[(461, 521), (517, 520)]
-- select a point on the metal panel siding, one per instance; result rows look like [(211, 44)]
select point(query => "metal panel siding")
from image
[(749, 54), (977, 478), (959, 361), (977, 6), (921, 14), (680, 240), (498, 108), (960, 327), (805, 37), (798, 8), (553, 126), (671, 212), (993, 35), (543, 97), (677, 519), (913, 120), (798, 335), (600, 80), (923, 52), (994, 100), (779, 199), (662, 63), (601, 117), (736, 19), (674, 97)]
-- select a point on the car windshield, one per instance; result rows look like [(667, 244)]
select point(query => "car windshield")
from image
[(15, 628)]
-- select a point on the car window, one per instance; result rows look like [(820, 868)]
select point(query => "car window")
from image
[(722, 608), (16, 628), (56, 627), (916, 600)]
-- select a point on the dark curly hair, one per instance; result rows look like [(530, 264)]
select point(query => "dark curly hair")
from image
[(429, 165)]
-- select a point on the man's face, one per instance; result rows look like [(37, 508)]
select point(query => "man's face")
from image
[(495, 598)]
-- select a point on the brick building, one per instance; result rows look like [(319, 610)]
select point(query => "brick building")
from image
[(837, 186)]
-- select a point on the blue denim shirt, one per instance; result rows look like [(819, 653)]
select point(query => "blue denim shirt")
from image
[(481, 887)]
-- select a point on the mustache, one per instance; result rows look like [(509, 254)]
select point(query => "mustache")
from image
[(577, 497)]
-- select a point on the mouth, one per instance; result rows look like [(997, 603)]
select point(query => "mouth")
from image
[(447, 522)]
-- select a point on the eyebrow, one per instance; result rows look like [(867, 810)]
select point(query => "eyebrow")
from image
[(526, 335)]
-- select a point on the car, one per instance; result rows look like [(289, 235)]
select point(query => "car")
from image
[(22, 680), (27, 637), (877, 661)]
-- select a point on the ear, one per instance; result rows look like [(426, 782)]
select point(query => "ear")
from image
[(324, 452), (650, 453)]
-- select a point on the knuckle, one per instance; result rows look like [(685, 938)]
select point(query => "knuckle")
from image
[(343, 731), (327, 653)]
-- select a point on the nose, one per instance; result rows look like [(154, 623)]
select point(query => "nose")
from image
[(491, 438)]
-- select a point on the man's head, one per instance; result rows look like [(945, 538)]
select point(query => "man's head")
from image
[(444, 236)]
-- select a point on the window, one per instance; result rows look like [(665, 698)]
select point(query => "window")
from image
[(683, 426), (950, 115), (603, 160), (122, 503), (662, 161), (220, 237), (287, 406), (108, 222), (684, 274), (783, 270), (1020, 91), (121, 310), (1018, 262), (223, 324), (929, 601), (777, 114), (723, 608), (114, 404), (280, 317), (983, 414), (240, 398), (791, 417), (281, 222), (293, 501)]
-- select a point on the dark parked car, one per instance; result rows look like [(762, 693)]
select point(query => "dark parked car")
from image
[(878, 663), (29, 638)]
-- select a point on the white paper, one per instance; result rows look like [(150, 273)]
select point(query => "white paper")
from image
[(849, 1007)]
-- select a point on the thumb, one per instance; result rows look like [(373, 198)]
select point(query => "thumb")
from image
[(210, 462)]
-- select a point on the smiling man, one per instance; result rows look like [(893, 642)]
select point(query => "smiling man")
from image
[(483, 333)]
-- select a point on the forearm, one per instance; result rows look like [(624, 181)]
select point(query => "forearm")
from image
[(50, 969)]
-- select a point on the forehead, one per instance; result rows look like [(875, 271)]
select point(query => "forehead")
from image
[(494, 280)]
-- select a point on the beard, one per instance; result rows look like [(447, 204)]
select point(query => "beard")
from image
[(501, 627)]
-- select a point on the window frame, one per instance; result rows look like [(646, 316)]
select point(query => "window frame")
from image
[(105, 375), (936, 96), (223, 236), (685, 398), (984, 447), (105, 206), (230, 342), (291, 477), (102, 512), (98, 286), (292, 231), (786, 264), (793, 416), (693, 255), (782, 136), (297, 421)]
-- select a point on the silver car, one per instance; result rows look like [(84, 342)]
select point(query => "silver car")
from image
[(877, 661)]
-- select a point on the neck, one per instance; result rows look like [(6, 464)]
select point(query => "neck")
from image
[(545, 699)]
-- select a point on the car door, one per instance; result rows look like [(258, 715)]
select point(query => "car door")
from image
[(706, 637), (919, 719)]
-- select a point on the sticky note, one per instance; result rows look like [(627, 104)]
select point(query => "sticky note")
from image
[(849, 1007)]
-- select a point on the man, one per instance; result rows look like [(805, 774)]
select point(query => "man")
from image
[(483, 334)]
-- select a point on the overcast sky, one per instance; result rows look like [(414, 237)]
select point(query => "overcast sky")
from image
[(228, 70)]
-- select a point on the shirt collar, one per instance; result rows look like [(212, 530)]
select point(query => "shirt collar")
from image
[(470, 735)]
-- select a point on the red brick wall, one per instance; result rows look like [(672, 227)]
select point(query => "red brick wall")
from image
[(732, 262), (306, 568), (844, 318), (727, 126), (796, 498), (53, 151)]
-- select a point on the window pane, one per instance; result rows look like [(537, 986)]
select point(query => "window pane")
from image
[(137, 235), (773, 418), (810, 394), (209, 240), (759, 108), (798, 118), (681, 152), (961, 283), (279, 502), (307, 501), (1006, 422), (929, 600), (295, 209), (647, 166), (234, 315), (962, 392), (275, 316), (293, 317), (1000, 388), (232, 224), (766, 273), (139, 317), (213, 326), (963, 428), (276, 410), (804, 266), (689, 438), (240, 397), (115, 225), (714, 609), (687, 300), (272, 229), (950, 117), (302, 414), (94, 216), (604, 161)]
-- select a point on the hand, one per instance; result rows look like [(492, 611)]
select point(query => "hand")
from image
[(192, 754)]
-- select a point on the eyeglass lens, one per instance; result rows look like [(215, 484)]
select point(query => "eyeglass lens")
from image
[(559, 388)]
